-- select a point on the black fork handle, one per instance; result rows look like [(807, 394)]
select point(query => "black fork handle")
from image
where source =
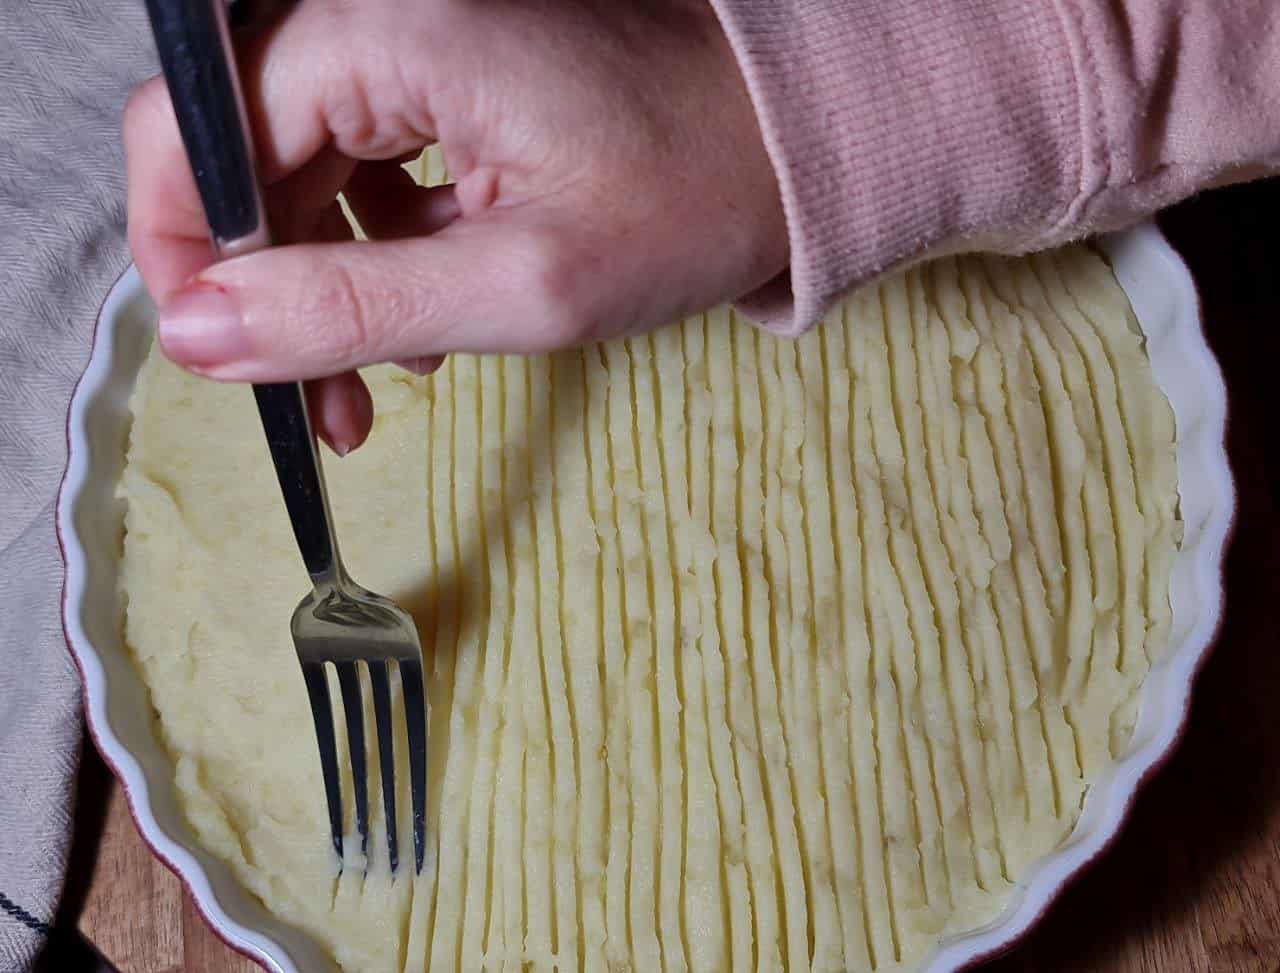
[(282, 407), (194, 44)]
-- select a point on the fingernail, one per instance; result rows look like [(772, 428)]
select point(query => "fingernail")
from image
[(361, 408), (361, 414), (201, 325), (423, 366)]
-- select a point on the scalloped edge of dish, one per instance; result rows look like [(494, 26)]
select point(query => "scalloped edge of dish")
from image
[(122, 725)]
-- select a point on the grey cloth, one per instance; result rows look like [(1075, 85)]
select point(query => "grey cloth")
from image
[(66, 67)]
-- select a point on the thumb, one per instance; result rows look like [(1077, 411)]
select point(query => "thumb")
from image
[(497, 283)]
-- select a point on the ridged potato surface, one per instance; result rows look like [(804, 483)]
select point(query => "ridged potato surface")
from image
[(743, 654)]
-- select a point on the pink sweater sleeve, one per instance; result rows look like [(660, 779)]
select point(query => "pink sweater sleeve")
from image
[(902, 129)]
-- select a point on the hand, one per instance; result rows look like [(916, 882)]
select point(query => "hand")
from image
[(610, 177)]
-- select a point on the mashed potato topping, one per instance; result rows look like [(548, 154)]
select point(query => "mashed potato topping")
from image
[(743, 653)]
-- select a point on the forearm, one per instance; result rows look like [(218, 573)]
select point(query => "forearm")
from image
[(903, 130)]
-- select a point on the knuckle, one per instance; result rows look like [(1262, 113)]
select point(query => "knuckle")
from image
[(364, 98), (333, 314), (363, 114), (555, 281), (335, 17), (350, 341), (360, 313)]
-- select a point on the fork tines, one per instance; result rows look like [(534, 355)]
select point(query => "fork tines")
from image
[(411, 682)]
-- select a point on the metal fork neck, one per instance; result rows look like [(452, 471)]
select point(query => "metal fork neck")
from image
[(283, 410)]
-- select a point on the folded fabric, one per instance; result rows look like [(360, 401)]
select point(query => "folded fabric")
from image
[(66, 67)]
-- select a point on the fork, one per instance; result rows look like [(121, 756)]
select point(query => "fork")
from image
[(338, 623)]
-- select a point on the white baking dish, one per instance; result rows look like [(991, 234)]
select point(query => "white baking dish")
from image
[(120, 716)]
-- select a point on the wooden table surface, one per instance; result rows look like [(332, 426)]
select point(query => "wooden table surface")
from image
[(1194, 882)]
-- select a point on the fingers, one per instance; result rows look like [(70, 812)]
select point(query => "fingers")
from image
[(426, 365), (310, 83), (340, 406), (500, 282), (167, 231), (301, 207), (330, 73), (341, 411), (390, 205)]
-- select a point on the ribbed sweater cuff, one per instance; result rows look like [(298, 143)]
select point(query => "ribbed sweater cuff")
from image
[(901, 129)]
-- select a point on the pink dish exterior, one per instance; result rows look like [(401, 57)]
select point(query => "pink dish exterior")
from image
[(121, 721)]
